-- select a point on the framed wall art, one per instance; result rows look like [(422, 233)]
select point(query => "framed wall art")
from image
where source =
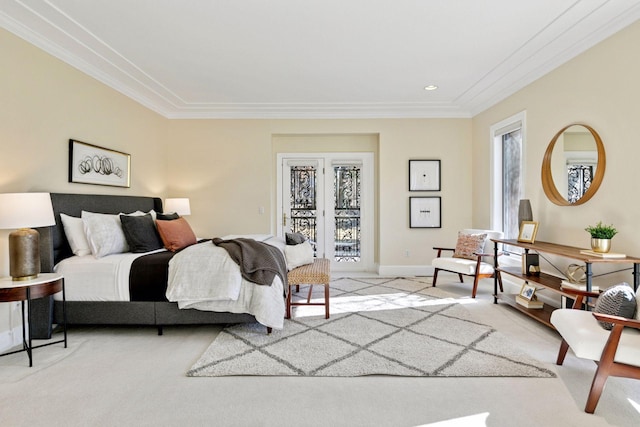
[(424, 175), (90, 164), (424, 212)]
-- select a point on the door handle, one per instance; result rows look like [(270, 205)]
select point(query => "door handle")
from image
[(284, 219)]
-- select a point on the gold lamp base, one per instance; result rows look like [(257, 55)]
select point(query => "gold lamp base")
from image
[(24, 254)]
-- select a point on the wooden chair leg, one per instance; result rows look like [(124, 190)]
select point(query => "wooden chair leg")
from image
[(309, 295), (499, 281), (564, 346), (288, 315), (475, 285), (326, 301), (435, 277), (597, 386), (604, 368)]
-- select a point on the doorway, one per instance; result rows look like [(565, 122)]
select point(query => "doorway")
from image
[(328, 197)]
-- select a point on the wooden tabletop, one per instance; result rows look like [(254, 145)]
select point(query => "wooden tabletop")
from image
[(567, 251), (43, 285)]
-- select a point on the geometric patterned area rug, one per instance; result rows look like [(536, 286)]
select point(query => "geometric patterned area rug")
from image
[(378, 326)]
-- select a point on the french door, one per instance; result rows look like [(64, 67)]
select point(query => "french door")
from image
[(329, 199)]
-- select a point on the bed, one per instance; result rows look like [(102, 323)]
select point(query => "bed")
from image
[(149, 308)]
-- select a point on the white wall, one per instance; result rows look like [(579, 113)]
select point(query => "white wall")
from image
[(600, 88), (44, 103), (227, 169)]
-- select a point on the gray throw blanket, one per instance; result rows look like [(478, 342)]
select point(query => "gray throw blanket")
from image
[(259, 262)]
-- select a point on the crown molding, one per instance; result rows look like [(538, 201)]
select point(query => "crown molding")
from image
[(580, 28)]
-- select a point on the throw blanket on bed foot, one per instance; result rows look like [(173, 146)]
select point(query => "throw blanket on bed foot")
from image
[(204, 277), (259, 262)]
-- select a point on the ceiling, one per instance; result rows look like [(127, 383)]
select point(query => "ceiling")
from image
[(316, 58)]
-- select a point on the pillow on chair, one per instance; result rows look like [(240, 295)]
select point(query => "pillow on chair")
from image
[(468, 245), (618, 300)]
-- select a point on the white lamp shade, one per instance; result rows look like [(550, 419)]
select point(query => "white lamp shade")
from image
[(179, 205), (25, 210)]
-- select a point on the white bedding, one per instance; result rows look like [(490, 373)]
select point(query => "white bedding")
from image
[(224, 289), (87, 278), (206, 278)]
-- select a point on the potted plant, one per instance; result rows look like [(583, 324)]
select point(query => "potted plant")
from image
[(601, 235)]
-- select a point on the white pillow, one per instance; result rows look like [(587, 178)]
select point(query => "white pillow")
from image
[(74, 230), (140, 213), (104, 234), (298, 255)]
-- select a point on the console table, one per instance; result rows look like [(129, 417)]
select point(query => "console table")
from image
[(548, 281)]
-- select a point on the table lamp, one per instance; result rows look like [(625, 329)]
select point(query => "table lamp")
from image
[(23, 211), (178, 205)]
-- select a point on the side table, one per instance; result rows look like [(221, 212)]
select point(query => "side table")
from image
[(27, 290)]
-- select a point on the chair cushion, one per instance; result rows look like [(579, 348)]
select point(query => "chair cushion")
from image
[(587, 338), (618, 300), (461, 265), (469, 244)]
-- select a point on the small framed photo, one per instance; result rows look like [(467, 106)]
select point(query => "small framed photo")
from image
[(528, 230), (90, 164), (424, 175), (424, 212), (527, 292)]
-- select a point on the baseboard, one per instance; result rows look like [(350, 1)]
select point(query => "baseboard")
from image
[(10, 338)]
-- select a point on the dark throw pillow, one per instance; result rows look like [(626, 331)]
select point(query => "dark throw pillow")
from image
[(141, 233), (167, 216), (294, 238), (618, 300)]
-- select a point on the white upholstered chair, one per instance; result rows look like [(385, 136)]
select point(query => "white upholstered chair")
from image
[(616, 352), (479, 263)]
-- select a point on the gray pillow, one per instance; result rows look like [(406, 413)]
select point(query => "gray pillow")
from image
[(141, 233), (618, 300), (295, 238)]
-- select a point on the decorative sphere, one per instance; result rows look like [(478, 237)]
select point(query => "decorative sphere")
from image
[(576, 273)]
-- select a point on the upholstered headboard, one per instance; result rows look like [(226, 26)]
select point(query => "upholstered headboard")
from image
[(54, 246)]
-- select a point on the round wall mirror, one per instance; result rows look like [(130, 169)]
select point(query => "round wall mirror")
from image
[(573, 165)]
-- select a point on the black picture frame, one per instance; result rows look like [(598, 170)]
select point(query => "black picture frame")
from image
[(424, 175), (425, 212), (91, 164)]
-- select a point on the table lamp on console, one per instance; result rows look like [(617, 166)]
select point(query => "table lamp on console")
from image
[(22, 211)]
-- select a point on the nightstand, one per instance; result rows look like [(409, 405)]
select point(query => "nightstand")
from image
[(27, 290)]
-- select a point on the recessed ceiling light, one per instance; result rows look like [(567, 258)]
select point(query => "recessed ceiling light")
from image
[(431, 87)]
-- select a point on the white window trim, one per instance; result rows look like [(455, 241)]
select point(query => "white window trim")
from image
[(495, 131)]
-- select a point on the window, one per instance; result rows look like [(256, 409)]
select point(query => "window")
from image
[(507, 173), (511, 143)]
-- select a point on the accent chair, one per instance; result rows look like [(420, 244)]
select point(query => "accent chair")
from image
[(473, 256)]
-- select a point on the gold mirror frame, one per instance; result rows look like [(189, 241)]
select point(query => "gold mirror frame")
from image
[(549, 185)]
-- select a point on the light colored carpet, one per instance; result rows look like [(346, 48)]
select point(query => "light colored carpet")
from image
[(130, 376), (398, 327)]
